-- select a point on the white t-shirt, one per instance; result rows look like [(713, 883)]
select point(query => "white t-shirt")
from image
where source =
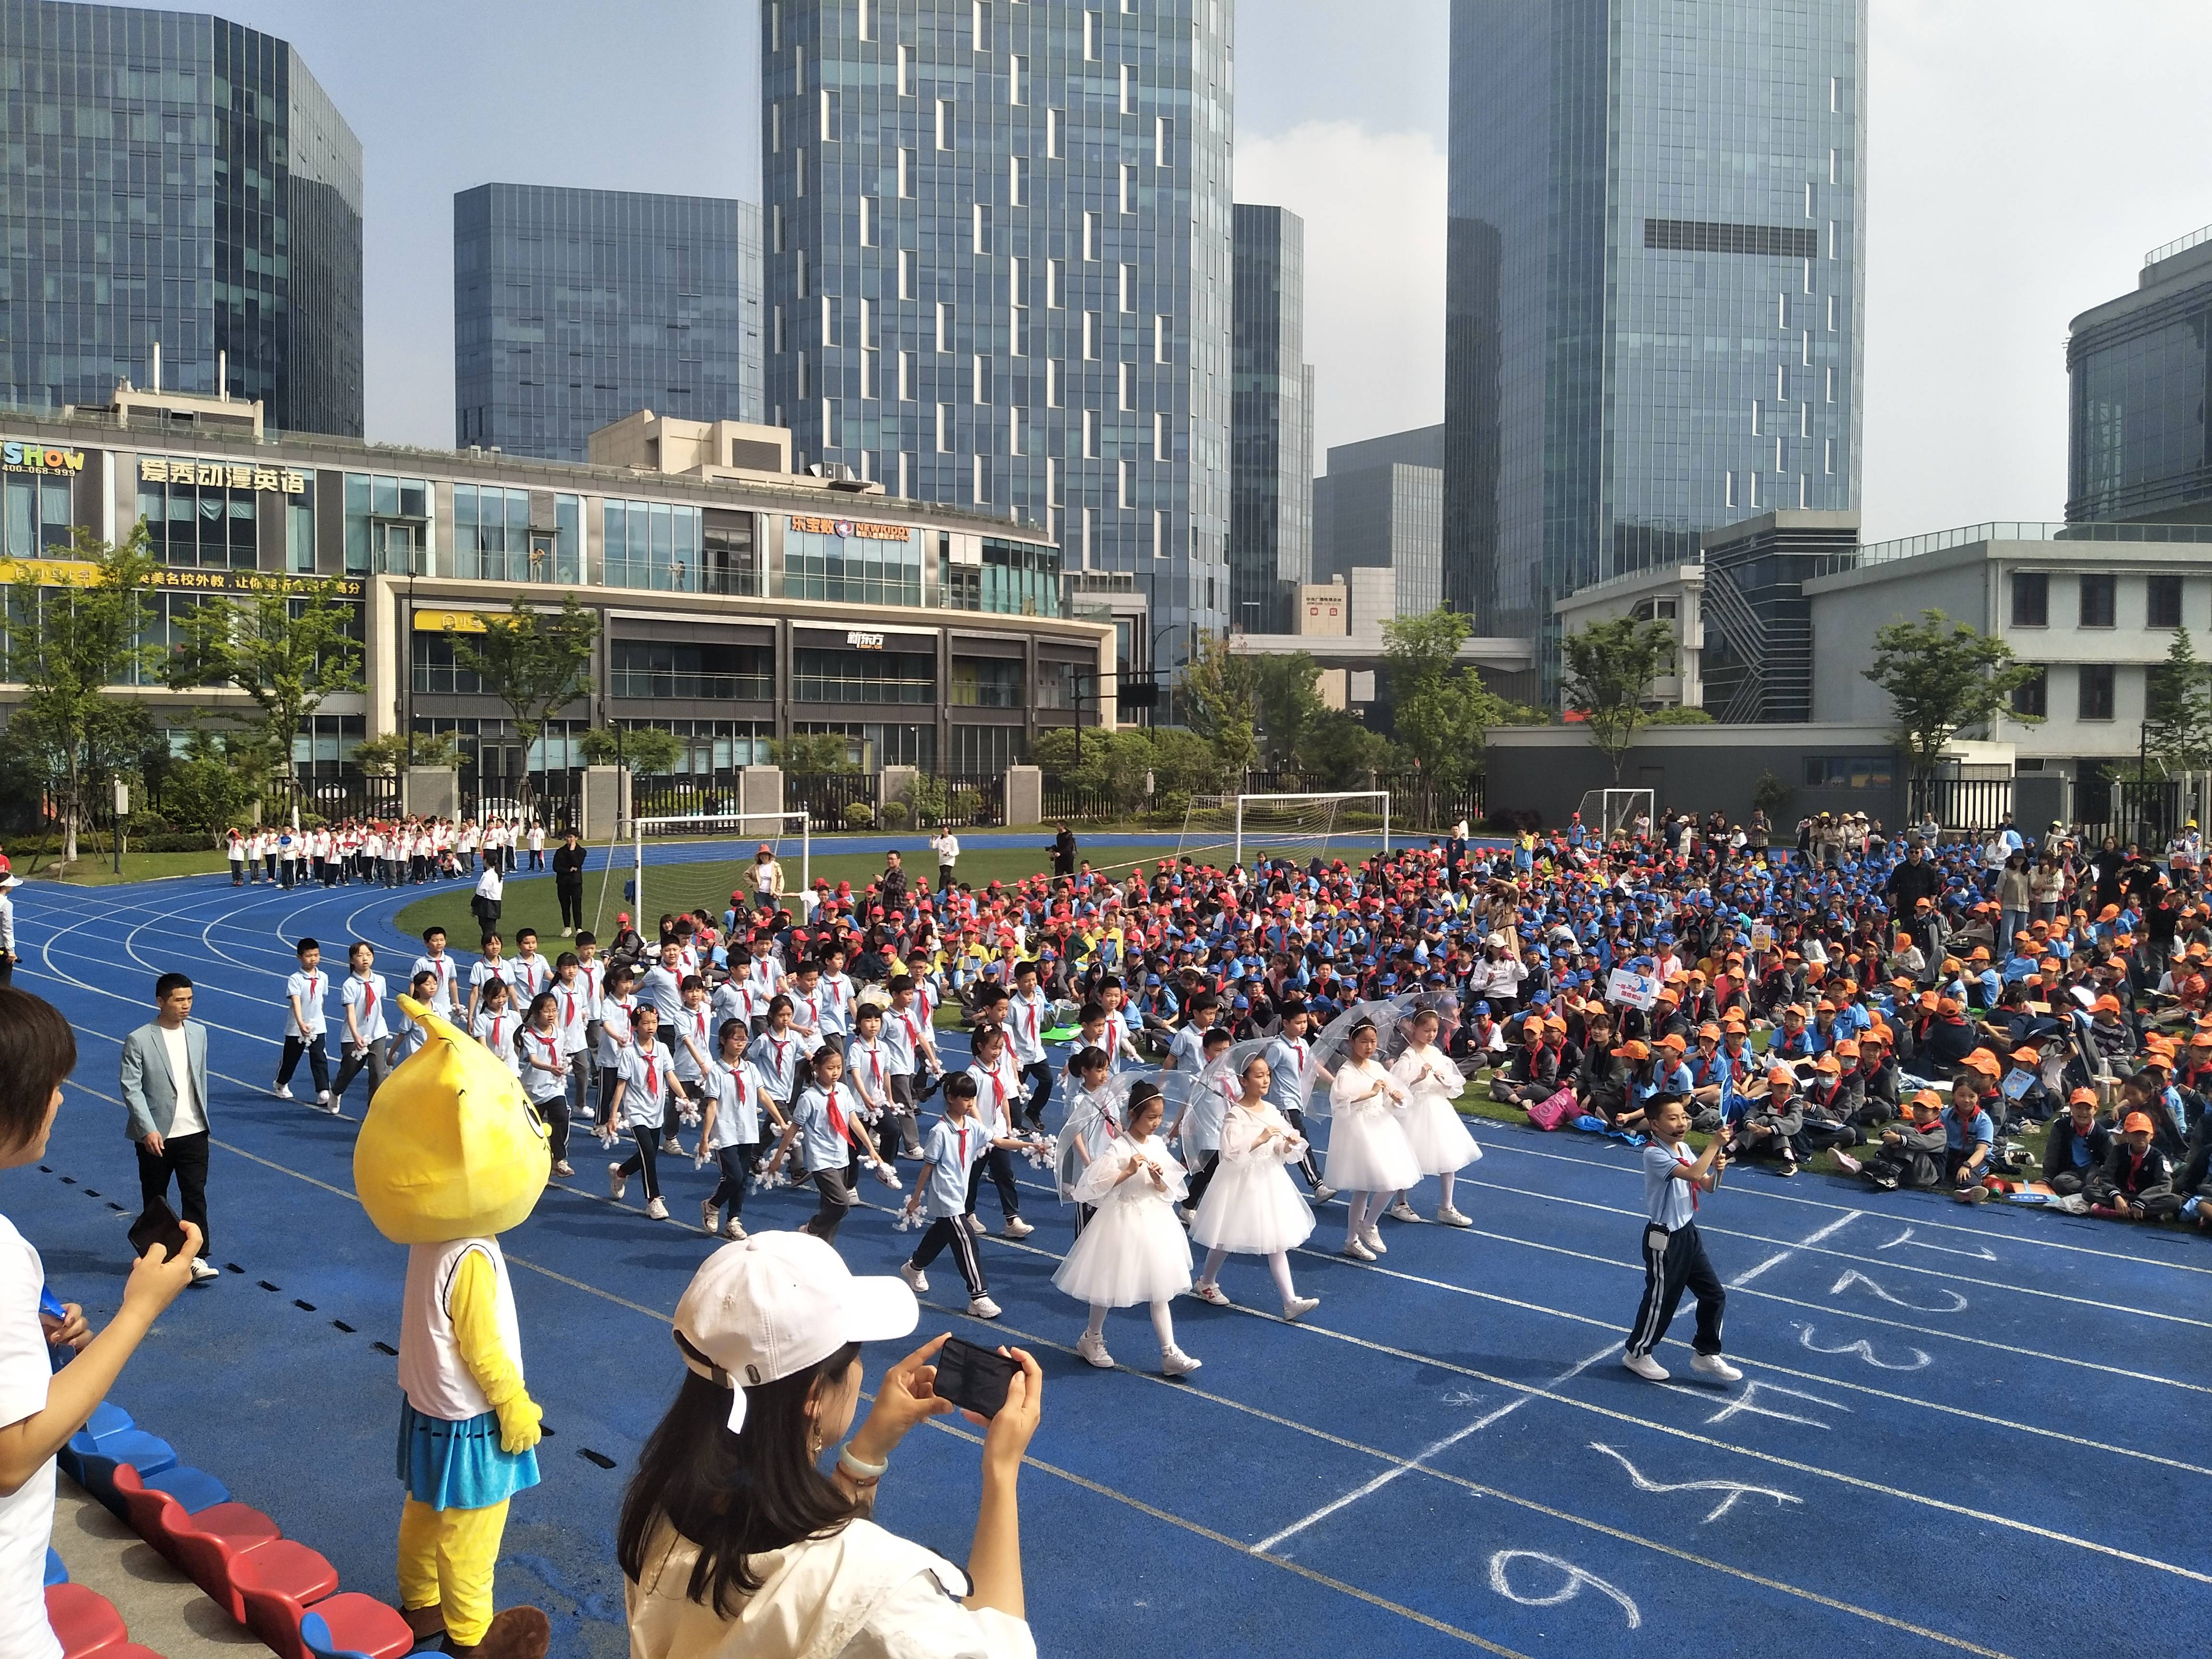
[(190, 1120), (27, 1518)]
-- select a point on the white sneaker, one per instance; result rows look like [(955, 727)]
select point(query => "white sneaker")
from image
[(1017, 1228), (617, 1183), (916, 1280), (1373, 1240), (1402, 1211), (1358, 1251), (982, 1307), (1184, 1213), (1323, 1193), (1712, 1365), (976, 1225), (1212, 1293), (1093, 1349), (709, 1213), (282, 1090), (657, 1211), (1449, 1216), (1174, 1362), (733, 1228), (670, 1143), (1645, 1366), (1300, 1306), (564, 1168), (323, 1099), (203, 1271)]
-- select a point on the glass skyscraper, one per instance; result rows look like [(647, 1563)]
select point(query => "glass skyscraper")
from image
[(573, 308), (2139, 420), (1271, 422), (998, 268), (1381, 504), (1654, 296), (174, 177)]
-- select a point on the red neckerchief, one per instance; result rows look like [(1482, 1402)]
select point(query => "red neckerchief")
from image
[(498, 1030), (368, 1000), (1682, 1156), (837, 1113)]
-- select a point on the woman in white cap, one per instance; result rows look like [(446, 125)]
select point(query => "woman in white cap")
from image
[(732, 1541)]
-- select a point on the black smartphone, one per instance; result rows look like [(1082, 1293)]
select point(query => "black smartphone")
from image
[(158, 1225), (975, 1379)]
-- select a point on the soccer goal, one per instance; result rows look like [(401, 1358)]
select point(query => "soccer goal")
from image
[(701, 860), (1226, 830), (1611, 814)]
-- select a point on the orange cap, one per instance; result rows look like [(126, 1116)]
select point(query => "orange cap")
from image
[(2137, 1121)]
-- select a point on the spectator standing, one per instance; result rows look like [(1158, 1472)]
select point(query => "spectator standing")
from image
[(569, 880), (946, 845), (39, 1407), (484, 905), (165, 1102), (8, 884), (1064, 851)]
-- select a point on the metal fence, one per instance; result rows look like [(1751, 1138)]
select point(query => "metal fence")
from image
[(552, 798), (699, 794), (334, 798), (828, 798), (2146, 813), (1078, 805), (1963, 805), (958, 800)]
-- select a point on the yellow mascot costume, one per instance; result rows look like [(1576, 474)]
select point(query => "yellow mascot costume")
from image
[(450, 1155)]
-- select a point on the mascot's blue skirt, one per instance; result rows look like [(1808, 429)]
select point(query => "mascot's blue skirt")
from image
[(459, 1466)]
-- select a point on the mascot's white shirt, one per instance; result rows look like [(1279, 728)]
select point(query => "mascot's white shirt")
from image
[(437, 1381)]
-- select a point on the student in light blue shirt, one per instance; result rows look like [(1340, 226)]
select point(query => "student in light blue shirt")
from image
[(956, 1144), (825, 1122)]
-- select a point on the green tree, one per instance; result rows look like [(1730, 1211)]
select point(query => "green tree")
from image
[(211, 789), (1343, 752), (382, 757), (810, 752), (287, 652), (1439, 712), (1610, 667), (644, 752), (2178, 711), (1942, 676), (533, 661), (1221, 702), (1288, 705), (72, 647)]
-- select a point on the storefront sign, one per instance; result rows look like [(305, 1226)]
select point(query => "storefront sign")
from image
[(851, 529), (860, 641), (221, 475), (77, 573), (457, 622), (38, 457)]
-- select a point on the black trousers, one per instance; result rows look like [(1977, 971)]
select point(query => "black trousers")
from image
[(1200, 1178), (1297, 1119), (319, 1062), (1040, 1081), (1001, 1167), (645, 1160), (736, 1166), (185, 1157), (1674, 1262), (949, 1230), (571, 895)]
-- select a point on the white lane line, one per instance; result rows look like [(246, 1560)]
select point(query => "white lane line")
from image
[(1831, 1230), (1421, 1458), (1750, 1274)]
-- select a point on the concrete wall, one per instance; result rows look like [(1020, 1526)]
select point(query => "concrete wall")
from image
[(1546, 770), (1848, 610)]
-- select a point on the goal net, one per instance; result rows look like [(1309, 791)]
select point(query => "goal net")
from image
[(1228, 829), (1611, 814), (678, 865)]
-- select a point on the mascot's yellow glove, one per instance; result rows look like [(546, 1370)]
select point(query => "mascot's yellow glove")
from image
[(472, 1305)]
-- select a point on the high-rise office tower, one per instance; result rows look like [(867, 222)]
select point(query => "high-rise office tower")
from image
[(998, 253), (1381, 505), (2139, 420), (177, 181), (1270, 422), (573, 308), (1654, 294)]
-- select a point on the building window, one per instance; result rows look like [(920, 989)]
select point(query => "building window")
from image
[(197, 518), (645, 668), (2095, 699), (494, 541), (1848, 771), (1017, 579), (387, 524), (435, 674), (2032, 698), (985, 749), (2099, 601), (827, 676), (653, 545), (2163, 607), (38, 519), (852, 569), (989, 683), (2031, 599)]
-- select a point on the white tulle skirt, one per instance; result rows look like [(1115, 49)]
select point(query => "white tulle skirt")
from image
[(1252, 1207), (1440, 1141), (1368, 1152), (1132, 1253)]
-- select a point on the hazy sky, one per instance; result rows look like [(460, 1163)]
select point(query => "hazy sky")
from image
[(2024, 154)]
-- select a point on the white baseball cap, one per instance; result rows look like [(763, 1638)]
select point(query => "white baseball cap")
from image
[(771, 1305)]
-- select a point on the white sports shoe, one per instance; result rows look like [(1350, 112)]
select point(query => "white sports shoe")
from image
[(203, 1271), (1212, 1293), (1712, 1365), (1300, 1306), (282, 1090), (982, 1307), (709, 1214), (1323, 1193), (976, 1225), (1093, 1349), (322, 1098), (916, 1280), (1174, 1362), (1358, 1251), (1017, 1228), (733, 1228), (657, 1211), (1402, 1211), (617, 1183), (1373, 1240), (1449, 1216), (1645, 1366), (564, 1168)]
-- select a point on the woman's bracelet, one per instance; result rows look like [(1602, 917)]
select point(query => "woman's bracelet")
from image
[(858, 1468)]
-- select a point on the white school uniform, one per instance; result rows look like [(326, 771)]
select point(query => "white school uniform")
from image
[(951, 1150), (529, 976), (534, 1051), (869, 1062), (1027, 1018), (482, 971), (365, 996), (665, 991), (698, 1024), (776, 1057), (309, 990), (615, 1039), (905, 1035), (646, 1071), (496, 1032), (1133, 1251), (737, 1091), (836, 1006), (573, 1014), (807, 1009), (997, 1088)]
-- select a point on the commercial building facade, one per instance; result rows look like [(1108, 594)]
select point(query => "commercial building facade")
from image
[(1380, 506), (1654, 294), (736, 605), (2139, 414), (183, 209), (1271, 422), (572, 308), (998, 249)]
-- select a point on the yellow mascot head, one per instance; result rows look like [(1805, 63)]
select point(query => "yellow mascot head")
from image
[(451, 1147)]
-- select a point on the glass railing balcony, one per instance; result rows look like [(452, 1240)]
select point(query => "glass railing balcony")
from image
[(648, 683)]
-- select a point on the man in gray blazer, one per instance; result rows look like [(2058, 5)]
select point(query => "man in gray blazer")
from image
[(165, 1095)]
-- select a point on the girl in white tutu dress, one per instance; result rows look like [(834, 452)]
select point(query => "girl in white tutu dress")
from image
[(1369, 1155), (1252, 1207), (1133, 1251), (1441, 1144)]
